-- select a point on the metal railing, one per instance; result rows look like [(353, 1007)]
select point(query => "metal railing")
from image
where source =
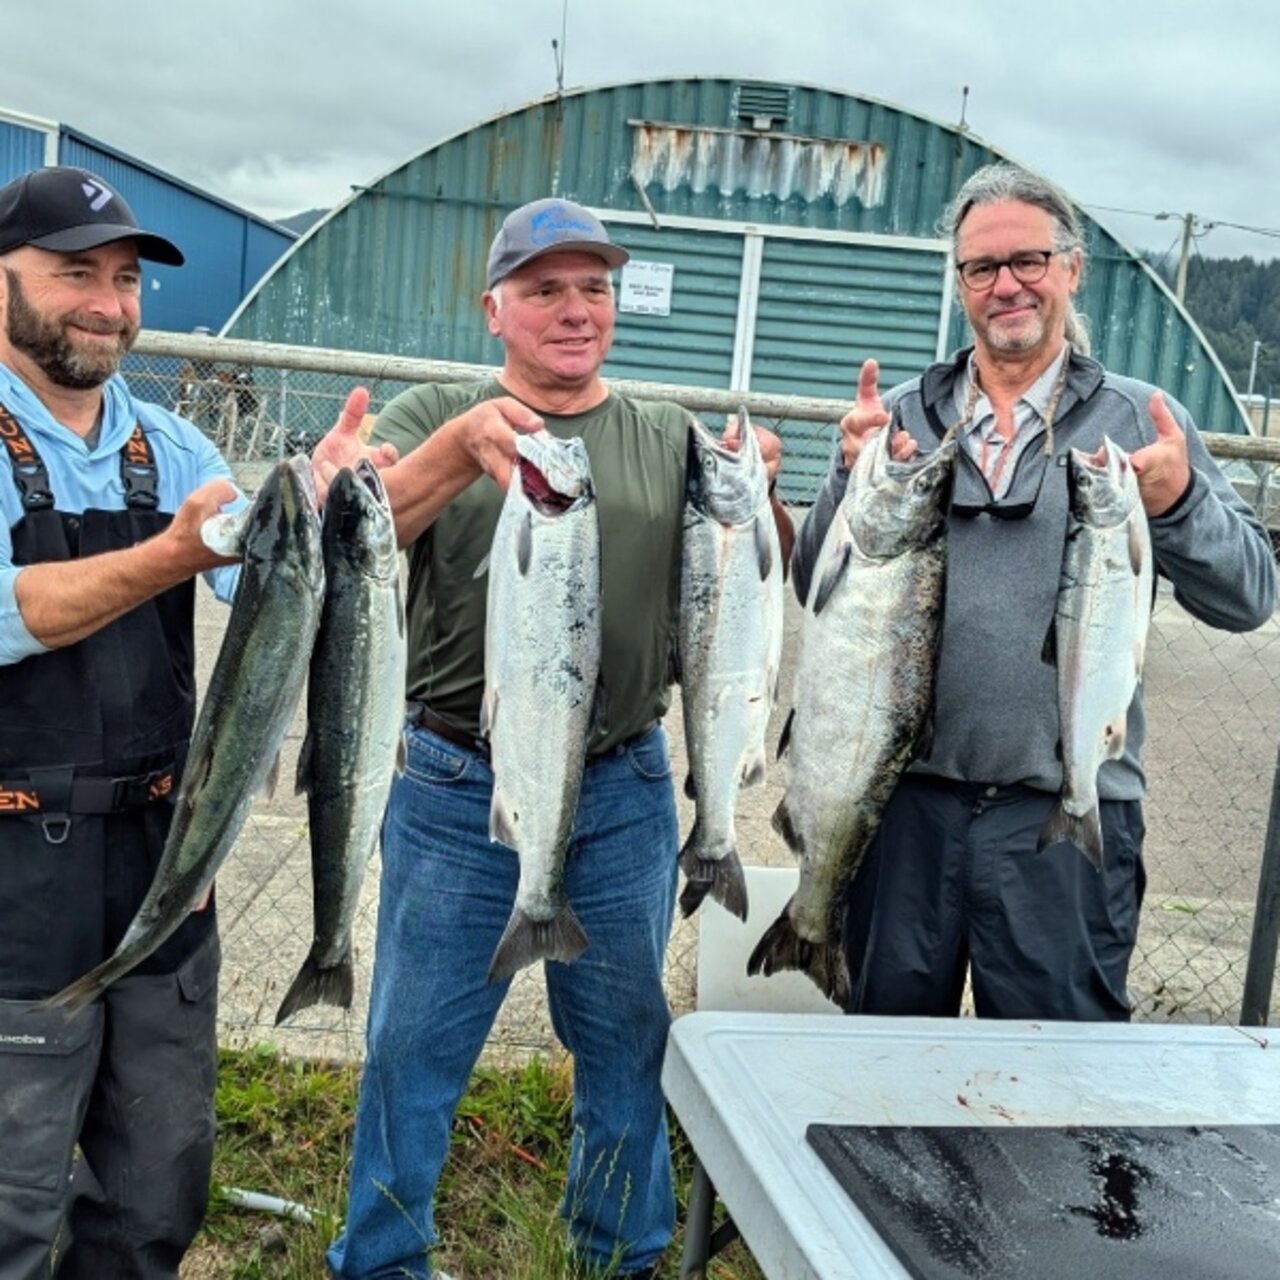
[(1207, 943)]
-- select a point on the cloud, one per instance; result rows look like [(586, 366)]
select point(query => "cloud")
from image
[(284, 106)]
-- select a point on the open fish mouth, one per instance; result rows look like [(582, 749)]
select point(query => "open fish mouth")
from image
[(541, 492), (555, 475)]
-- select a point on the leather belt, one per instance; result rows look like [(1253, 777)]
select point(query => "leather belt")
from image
[(424, 718)]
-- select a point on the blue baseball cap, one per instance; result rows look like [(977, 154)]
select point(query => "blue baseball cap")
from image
[(548, 226)]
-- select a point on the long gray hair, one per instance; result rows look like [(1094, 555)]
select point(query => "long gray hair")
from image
[(997, 183)]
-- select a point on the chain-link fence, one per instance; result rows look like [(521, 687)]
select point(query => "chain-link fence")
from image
[(1213, 703)]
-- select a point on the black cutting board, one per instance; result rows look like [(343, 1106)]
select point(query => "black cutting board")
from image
[(985, 1203)]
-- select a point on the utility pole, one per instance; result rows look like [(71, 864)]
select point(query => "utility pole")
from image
[(1189, 224), (1253, 366), (1180, 290)]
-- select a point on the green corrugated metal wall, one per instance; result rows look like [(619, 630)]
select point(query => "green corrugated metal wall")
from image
[(399, 268), (694, 345), (825, 307)]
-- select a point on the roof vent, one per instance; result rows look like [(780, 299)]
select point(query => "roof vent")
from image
[(763, 106)]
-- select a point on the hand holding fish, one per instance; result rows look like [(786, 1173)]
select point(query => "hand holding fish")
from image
[(770, 445), (189, 552), (867, 416), (1162, 468), (342, 446), (489, 435)]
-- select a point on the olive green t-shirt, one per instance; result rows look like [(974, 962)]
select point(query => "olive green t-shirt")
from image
[(638, 453)]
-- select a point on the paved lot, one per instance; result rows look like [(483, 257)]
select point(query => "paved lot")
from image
[(1214, 707)]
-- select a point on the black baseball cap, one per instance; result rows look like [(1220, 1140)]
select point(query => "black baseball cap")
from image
[(548, 226), (66, 210)]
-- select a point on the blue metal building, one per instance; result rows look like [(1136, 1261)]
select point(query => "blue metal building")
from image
[(227, 249)]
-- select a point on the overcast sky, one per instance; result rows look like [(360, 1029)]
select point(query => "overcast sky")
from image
[(283, 105)]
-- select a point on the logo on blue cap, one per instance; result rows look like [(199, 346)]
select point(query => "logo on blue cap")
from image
[(547, 226)]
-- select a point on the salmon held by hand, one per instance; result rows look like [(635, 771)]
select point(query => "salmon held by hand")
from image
[(730, 646), (251, 698), (355, 723), (542, 665), (863, 692), (1099, 634)]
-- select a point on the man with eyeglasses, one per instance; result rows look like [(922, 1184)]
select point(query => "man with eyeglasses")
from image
[(952, 883)]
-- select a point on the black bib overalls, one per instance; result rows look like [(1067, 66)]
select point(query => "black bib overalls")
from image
[(92, 738)]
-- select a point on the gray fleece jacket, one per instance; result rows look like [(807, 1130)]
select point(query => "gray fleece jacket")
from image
[(996, 707)]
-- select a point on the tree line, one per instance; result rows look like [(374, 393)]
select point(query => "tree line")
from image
[(1236, 302)]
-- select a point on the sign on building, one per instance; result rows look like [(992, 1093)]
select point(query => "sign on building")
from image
[(646, 288)]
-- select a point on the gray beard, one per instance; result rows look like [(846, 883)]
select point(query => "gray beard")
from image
[(47, 346)]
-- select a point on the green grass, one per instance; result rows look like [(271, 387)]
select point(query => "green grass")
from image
[(285, 1129)]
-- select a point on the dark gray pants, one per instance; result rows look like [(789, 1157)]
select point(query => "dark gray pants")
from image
[(131, 1080), (952, 881)]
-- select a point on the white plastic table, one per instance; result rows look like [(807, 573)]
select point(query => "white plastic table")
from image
[(745, 1087)]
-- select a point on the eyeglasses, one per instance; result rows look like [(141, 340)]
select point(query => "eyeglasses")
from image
[(1028, 267)]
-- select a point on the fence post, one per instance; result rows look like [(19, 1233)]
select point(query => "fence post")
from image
[(1259, 974), (284, 412)]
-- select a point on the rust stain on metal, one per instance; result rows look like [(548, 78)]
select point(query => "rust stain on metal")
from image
[(781, 166)]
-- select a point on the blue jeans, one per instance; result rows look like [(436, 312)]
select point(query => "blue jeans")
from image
[(447, 892)]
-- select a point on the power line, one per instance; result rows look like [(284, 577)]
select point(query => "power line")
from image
[(1257, 231), (1111, 208), (1208, 224)]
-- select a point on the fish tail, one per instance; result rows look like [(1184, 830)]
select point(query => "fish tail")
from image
[(782, 947), (721, 877), (316, 984), (526, 940), (1083, 830), (84, 991)]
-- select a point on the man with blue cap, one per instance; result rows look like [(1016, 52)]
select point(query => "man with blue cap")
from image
[(447, 890), (102, 498)]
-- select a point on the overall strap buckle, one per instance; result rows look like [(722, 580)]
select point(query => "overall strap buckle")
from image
[(138, 472), (29, 472)]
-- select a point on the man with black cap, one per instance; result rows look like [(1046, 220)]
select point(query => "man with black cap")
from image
[(446, 890), (102, 498)]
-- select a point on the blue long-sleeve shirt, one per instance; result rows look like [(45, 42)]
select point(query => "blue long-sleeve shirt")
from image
[(82, 478)]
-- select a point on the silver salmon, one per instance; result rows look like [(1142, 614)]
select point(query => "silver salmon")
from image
[(1099, 635), (542, 665), (863, 693), (251, 698), (730, 647), (355, 719)]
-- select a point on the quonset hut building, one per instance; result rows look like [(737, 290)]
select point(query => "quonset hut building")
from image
[(780, 234)]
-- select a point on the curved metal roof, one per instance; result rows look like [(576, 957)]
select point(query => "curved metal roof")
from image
[(398, 267)]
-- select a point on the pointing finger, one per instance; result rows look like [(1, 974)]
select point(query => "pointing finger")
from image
[(353, 411), (868, 380), (1166, 424)]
